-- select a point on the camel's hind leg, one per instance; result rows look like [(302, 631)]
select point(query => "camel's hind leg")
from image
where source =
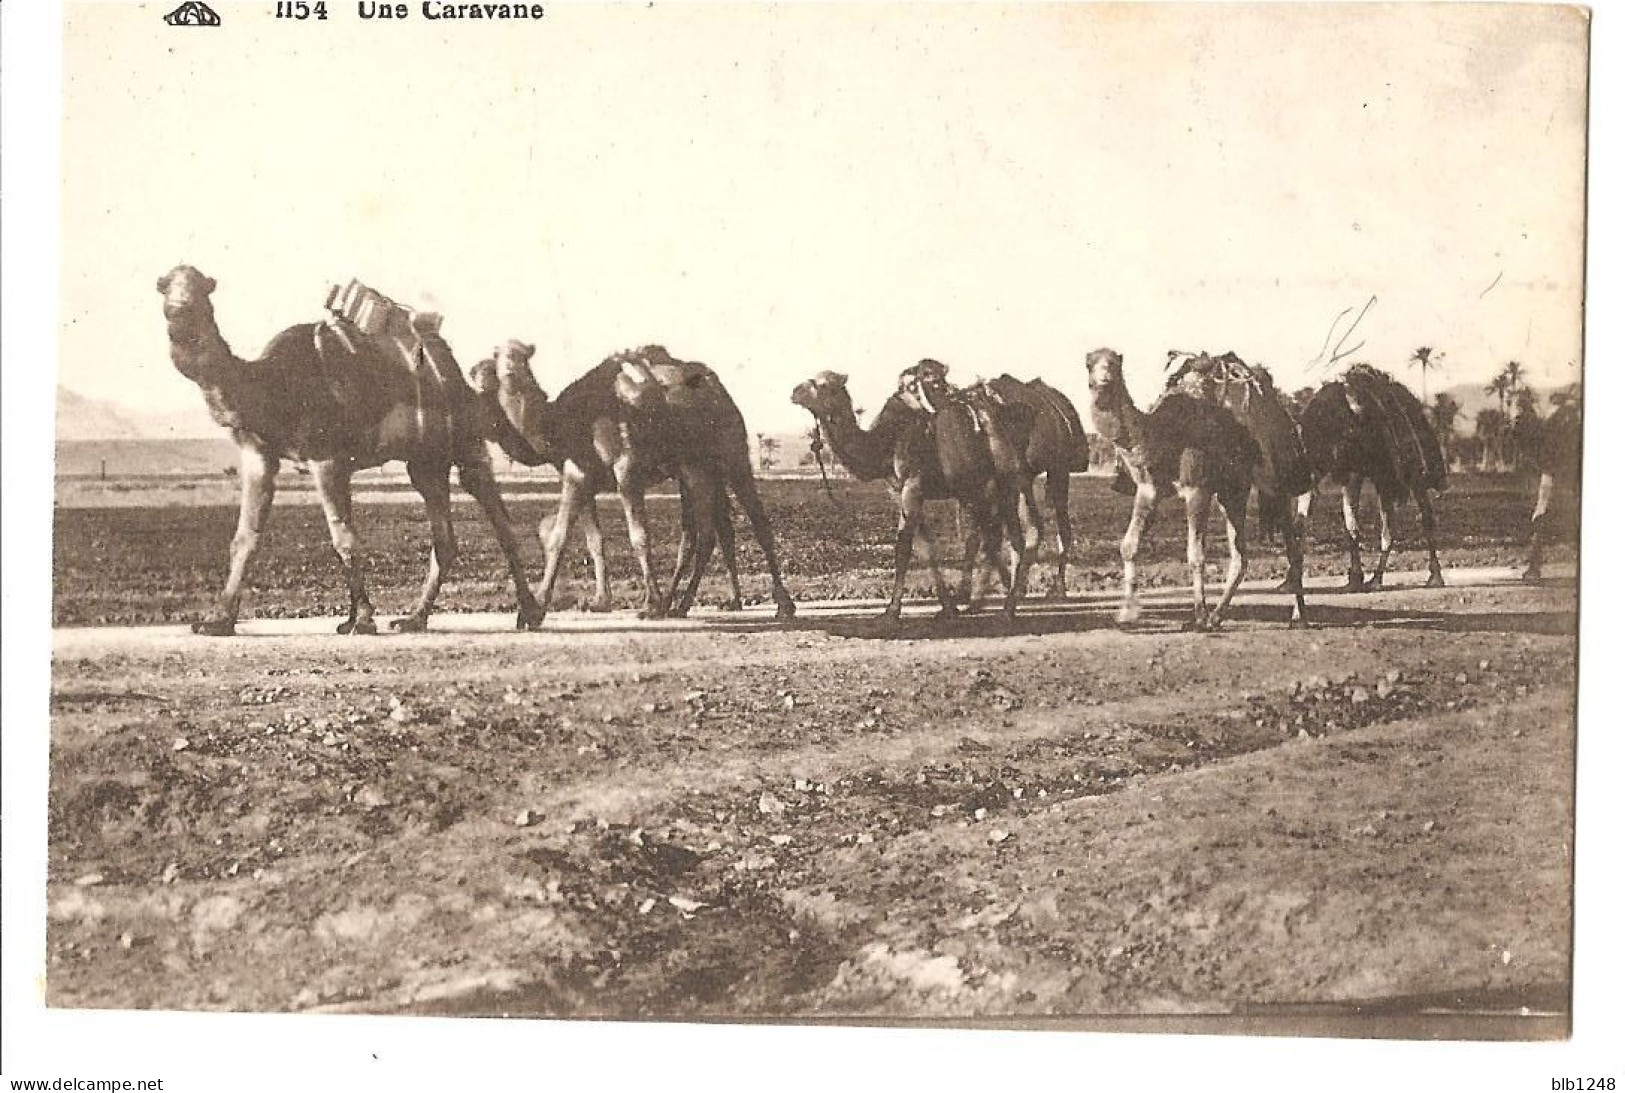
[(637, 530), (258, 478), (1351, 528), (744, 487), (1424, 507), (1234, 507), (1198, 503), (477, 478), (1537, 527), (1385, 540), (332, 477), (595, 550), (707, 499), (685, 543), (1139, 526), (1057, 492), (727, 544), (1025, 526)]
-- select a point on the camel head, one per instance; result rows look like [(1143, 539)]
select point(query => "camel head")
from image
[(924, 386), (1105, 368), (824, 396), (517, 390), (186, 290)]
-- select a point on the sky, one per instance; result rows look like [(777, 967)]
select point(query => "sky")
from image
[(780, 190)]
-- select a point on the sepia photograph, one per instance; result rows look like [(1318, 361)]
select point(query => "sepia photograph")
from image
[(1047, 518)]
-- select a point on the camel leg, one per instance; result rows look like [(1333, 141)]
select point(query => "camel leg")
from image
[(1537, 528), (744, 487), (1198, 503), (1424, 506), (685, 543), (974, 531), (637, 530), (945, 595), (332, 478), (595, 550), (1025, 526), (707, 499), (728, 545), (1292, 531), (481, 484), (1057, 490), (1385, 541), (1139, 526), (1351, 527), (258, 478), (1235, 525), (573, 497)]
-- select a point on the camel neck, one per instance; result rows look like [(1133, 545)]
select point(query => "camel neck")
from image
[(865, 452), (1117, 418), (199, 351)]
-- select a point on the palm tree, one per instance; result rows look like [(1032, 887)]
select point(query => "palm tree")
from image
[(1490, 429), (767, 449), (1426, 361), (1499, 387), (1514, 373)]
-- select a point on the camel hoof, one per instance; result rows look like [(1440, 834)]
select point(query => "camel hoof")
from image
[(732, 605), (358, 626), (893, 612), (787, 609), (1435, 580), (1530, 576), (1290, 585), (652, 612), (1298, 623), (1128, 614), (215, 628), (1372, 584), (602, 607), (1355, 583), (530, 621), (948, 611), (406, 624), (1055, 593)]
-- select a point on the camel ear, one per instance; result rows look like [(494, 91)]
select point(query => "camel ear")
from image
[(208, 284), (530, 350), (163, 283), (840, 378)]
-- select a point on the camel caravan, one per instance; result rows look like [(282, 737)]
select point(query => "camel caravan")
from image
[(373, 382)]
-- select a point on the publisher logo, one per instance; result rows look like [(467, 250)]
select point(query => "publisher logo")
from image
[(193, 13)]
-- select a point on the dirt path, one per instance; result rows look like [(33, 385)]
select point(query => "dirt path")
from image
[(836, 818)]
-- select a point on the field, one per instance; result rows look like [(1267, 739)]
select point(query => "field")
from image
[(1360, 828)]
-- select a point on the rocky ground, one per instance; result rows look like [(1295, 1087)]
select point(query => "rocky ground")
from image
[(834, 818)]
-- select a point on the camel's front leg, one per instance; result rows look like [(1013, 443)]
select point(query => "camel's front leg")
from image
[(1351, 528), (708, 499), (910, 514), (1296, 528), (595, 550), (1198, 503), (481, 483), (686, 505), (573, 495), (975, 527), (1424, 506), (1139, 526), (1537, 527), (332, 477), (637, 530), (1234, 508), (258, 477), (1385, 541)]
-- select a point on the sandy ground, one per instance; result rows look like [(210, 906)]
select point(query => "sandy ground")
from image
[(1365, 827)]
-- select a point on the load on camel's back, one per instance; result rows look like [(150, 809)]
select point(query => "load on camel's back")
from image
[(432, 401)]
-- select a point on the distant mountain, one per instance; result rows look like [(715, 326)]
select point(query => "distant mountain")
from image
[(79, 417)]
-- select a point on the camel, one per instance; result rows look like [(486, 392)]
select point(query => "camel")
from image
[(325, 396), (1282, 473), (1555, 449), (1367, 426), (920, 464), (1186, 445), (1007, 428), (1054, 446), (634, 420)]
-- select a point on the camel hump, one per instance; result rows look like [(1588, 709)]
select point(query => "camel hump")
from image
[(1400, 422)]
